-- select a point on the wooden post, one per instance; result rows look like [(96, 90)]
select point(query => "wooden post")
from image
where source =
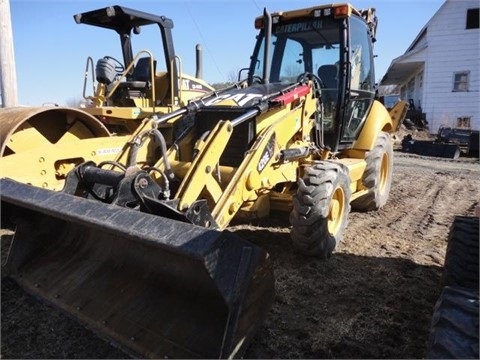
[(8, 78)]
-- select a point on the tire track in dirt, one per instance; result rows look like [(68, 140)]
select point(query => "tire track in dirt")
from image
[(442, 190), (423, 202)]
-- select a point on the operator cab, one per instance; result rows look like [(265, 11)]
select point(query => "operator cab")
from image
[(131, 81), (331, 45)]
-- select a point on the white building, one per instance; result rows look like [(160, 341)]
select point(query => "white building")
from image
[(440, 71)]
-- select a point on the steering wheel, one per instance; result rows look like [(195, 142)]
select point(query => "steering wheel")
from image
[(256, 80), (119, 68), (310, 76)]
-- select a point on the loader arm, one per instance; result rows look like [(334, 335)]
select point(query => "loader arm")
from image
[(282, 126), (201, 175), (264, 166)]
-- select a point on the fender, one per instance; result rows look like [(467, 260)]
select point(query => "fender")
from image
[(378, 119)]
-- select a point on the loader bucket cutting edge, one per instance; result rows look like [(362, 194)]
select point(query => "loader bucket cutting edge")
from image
[(154, 286)]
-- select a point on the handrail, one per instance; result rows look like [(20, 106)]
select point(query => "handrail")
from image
[(89, 62), (180, 79)]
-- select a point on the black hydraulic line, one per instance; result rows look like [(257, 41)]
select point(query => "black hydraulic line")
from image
[(113, 163), (163, 145), (262, 106), (93, 174), (193, 106), (166, 183), (294, 154), (171, 115), (248, 115), (138, 143), (190, 107)]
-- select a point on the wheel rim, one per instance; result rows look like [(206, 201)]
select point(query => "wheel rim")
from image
[(336, 211), (384, 173)]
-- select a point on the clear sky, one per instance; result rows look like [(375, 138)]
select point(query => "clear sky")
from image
[(51, 49)]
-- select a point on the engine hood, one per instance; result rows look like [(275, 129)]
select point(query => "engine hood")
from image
[(246, 97)]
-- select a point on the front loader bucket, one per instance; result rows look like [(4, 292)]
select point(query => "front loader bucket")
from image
[(155, 287)]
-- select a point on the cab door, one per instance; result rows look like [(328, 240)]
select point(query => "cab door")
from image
[(360, 89)]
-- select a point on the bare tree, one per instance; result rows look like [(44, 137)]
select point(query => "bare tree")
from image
[(74, 102)]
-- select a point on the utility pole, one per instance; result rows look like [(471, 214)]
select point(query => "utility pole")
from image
[(8, 77)]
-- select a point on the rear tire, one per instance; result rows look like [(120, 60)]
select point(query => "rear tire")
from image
[(461, 258), (320, 209), (377, 178), (454, 327), (454, 330)]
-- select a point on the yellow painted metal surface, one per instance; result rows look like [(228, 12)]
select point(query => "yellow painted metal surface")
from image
[(40, 145), (378, 120)]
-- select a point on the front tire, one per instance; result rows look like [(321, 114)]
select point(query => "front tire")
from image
[(377, 178), (320, 209)]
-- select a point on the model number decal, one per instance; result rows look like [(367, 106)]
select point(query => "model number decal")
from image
[(108, 151), (267, 153)]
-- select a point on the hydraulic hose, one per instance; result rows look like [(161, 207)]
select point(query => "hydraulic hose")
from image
[(138, 143)]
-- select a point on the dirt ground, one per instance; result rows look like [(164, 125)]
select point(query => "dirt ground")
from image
[(373, 298)]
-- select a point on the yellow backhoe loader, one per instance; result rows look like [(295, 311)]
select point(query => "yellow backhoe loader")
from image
[(141, 252), (39, 145)]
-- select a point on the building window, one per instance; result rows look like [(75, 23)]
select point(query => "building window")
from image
[(473, 18), (463, 122), (460, 81)]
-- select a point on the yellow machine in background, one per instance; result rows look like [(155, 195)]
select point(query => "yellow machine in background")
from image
[(139, 85), (39, 145), (140, 251)]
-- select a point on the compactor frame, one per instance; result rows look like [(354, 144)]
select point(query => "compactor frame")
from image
[(129, 90), (40, 145)]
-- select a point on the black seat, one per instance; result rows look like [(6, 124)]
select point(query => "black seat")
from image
[(141, 76), (137, 85), (328, 75)]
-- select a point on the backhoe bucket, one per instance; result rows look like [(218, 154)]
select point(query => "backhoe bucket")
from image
[(155, 287)]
